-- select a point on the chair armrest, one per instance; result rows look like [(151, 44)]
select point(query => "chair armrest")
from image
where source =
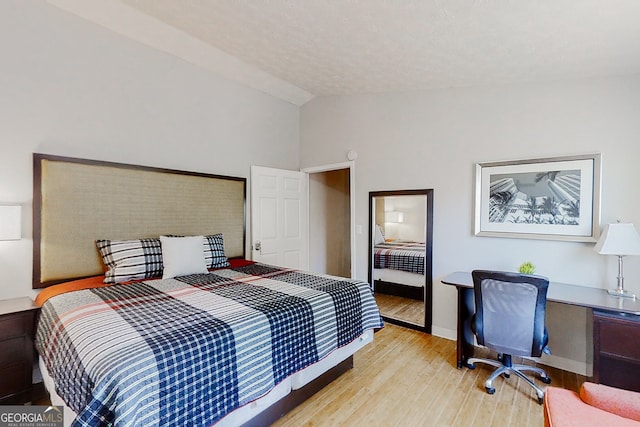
[(615, 400), (564, 408)]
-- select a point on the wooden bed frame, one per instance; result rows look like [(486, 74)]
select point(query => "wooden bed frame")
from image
[(76, 201), (399, 290), (296, 397)]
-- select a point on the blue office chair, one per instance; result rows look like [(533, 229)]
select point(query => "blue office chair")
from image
[(509, 319)]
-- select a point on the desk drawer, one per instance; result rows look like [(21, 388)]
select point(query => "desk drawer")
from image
[(620, 373), (616, 350), (621, 338)]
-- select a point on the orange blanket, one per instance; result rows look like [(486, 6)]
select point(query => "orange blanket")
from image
[(98, 282)]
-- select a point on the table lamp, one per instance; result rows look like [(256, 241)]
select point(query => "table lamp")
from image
[(10, 227), (619, 240)]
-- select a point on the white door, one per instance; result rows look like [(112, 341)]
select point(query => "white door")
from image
[(279, 217)]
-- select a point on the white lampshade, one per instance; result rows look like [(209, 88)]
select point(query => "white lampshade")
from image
[(10, 222), (619, 239)]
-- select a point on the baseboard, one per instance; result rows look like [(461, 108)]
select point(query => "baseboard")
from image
[(581, 368), (449, 334)]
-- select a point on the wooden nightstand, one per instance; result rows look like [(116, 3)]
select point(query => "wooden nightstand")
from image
[(17, 328)]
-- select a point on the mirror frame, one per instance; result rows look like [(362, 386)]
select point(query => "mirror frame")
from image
[(428, 261)]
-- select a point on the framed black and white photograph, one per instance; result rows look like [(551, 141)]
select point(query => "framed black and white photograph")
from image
[(554, 198)]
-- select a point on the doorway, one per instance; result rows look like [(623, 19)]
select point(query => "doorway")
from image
[(331, 219), (329, 223)]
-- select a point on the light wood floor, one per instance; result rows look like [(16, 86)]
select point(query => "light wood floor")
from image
[(406, 309), (409, 378)]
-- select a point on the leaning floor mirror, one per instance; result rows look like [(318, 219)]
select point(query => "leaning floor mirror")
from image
[(401, 247)]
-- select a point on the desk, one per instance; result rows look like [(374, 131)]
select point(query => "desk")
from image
[(594, 299)]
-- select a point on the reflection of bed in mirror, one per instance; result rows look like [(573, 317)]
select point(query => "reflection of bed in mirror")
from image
[(399, 268), (401, 227)]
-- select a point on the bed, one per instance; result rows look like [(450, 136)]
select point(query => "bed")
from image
[(215, 340), (399, 268)]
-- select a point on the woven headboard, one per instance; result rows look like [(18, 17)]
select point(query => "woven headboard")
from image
[(77, 201)]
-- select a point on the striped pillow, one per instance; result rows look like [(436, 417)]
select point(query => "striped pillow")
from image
[(214, 251), (131, 259)]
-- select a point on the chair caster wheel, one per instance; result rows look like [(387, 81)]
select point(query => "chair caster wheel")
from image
[(506, 375), (540, 400), (471, 366), (546, 380), (490, 390)]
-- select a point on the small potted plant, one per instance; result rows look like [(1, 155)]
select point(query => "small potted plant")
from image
[(527, 267)]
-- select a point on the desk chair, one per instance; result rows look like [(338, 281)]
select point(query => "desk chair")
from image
[(509, 319)]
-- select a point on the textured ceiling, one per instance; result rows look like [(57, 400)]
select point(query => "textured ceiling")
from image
[(335, 47)]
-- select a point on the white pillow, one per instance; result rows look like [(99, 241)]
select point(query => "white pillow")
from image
[(182, 256)]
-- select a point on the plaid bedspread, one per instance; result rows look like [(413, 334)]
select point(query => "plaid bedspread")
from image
[(405, 256), (189, 350)]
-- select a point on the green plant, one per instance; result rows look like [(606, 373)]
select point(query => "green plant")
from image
[(527, 268)]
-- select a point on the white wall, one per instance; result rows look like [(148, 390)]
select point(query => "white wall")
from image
[(433, 140), (72, 88), (414, 210)]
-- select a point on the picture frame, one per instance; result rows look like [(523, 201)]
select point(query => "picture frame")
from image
[(556, 198)]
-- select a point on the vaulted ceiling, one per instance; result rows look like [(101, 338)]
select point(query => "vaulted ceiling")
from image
[(296, 50)]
